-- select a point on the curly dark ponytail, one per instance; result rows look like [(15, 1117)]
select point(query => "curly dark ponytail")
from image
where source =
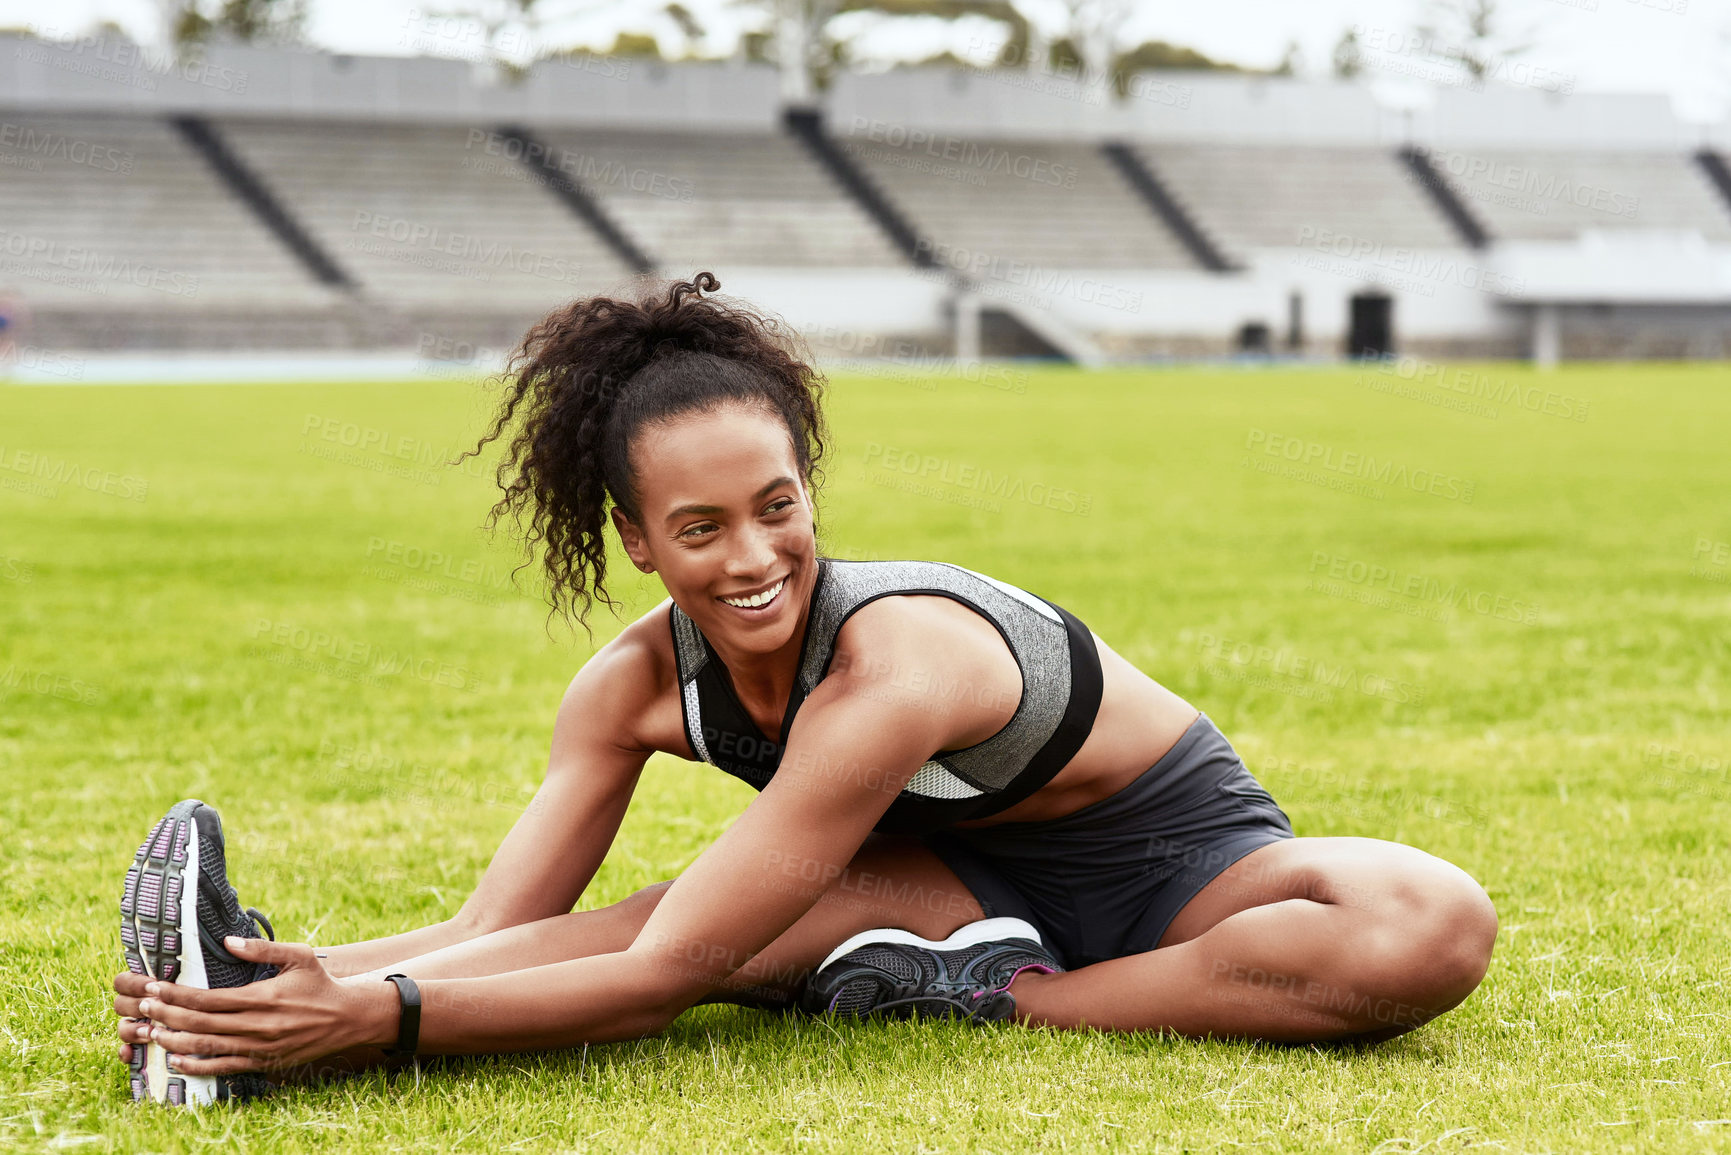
[(591, 374)]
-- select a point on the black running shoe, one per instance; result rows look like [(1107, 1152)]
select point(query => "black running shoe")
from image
[(176, 908), (894, 973)]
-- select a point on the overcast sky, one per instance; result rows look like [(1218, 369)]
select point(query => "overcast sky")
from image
[(1678, 47)]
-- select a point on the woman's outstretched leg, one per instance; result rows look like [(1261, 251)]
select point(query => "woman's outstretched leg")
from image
[(890, 882)]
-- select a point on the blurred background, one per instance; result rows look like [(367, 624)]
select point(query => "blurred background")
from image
[(365, 185)]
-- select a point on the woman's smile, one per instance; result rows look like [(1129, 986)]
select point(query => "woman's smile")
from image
[(758, 604)]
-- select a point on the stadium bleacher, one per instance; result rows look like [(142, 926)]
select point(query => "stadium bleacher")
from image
[(422, 214), (1050, 203), (1551, 195), (368, 222), (119, 212), (722, 200), (1253, 197)]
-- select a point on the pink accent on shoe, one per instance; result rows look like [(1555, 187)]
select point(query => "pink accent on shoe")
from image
[(1041, 967)]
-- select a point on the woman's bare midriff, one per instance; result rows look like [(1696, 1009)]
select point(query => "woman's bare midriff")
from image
[(1139, 720)]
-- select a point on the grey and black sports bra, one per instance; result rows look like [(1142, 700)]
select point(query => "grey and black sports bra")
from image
[(1061, 687)]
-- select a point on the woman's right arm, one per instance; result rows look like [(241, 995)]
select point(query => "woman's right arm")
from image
[(600, 745)]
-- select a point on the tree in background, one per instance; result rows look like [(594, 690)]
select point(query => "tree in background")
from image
[(1087, 46), (505, 30), (1159, 56), (1291, 60), (1348, 57), (512, 34), (195, 22), (814, 40), (1094, 30), (1472, 33)]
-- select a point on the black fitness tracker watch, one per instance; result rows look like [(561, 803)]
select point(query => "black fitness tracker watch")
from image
[(409, 1026)]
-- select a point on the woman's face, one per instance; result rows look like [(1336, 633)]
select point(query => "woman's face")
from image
[(726, 519)]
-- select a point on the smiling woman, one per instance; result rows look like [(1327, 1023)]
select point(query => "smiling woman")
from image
[(968, 804)]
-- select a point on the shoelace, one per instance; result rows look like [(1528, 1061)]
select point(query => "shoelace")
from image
[(213, 946), (265, 970)]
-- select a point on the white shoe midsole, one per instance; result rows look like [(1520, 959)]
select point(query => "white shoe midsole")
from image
[(983, 930), (200, 1089)]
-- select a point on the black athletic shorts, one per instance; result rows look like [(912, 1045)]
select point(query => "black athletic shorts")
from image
[(1106, 880)]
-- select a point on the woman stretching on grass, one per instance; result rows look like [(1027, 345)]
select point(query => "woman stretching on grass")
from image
[(968, 803)]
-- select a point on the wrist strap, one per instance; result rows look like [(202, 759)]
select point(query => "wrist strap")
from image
[(409, 1026)]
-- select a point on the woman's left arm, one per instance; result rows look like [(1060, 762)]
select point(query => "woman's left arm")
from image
[(852, 747)]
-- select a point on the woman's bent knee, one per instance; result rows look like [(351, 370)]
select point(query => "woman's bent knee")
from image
[(1464, 923), (1433, 943)]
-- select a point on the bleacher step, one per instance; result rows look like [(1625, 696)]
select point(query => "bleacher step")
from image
[(1718, 172), (807, 126), (1141, 176), (251, 189), (1443, 195), (536, 157)]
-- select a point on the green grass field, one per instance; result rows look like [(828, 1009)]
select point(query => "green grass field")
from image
[(1500, 635)]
